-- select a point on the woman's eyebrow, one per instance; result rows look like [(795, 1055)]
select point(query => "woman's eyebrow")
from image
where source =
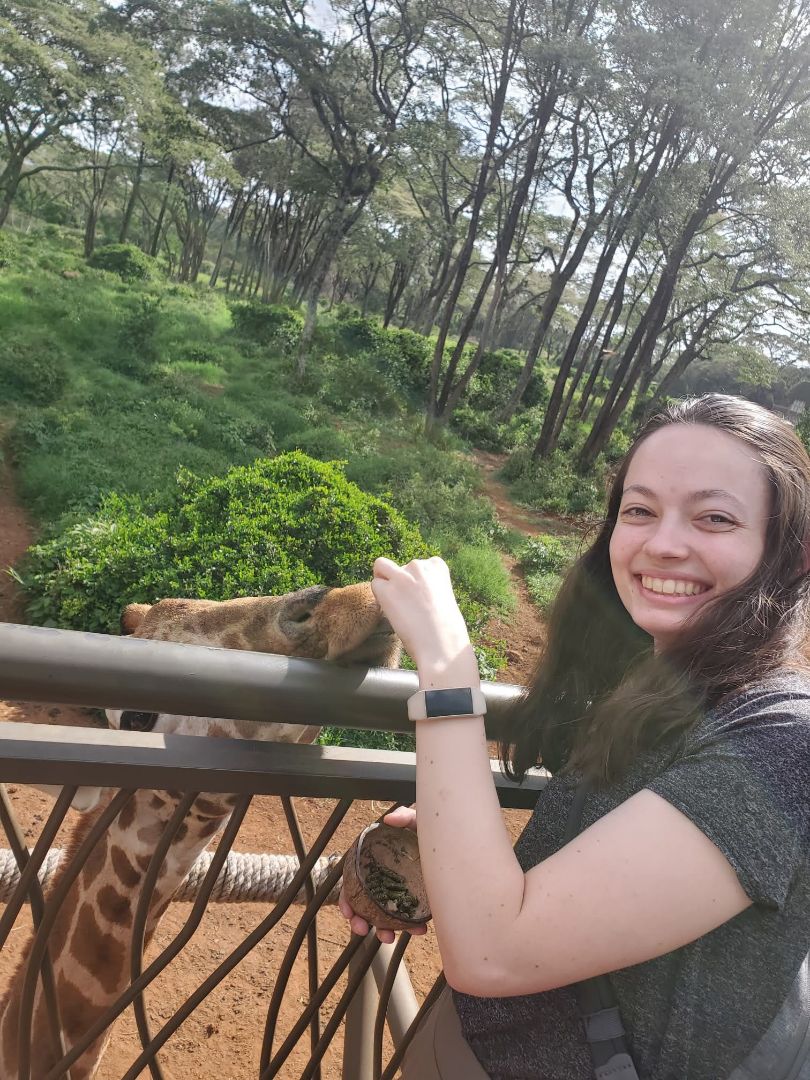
[(695, 496)]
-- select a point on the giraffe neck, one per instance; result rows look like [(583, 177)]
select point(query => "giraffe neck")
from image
[(90, 943)]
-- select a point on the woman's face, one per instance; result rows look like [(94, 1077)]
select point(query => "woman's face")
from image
[(691, 525)]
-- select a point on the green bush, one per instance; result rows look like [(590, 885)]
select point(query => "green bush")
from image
[(264, 529), (324, 443), (479, 571), (126, 260), (402, 357), (268, 324), (8, 250), (32, 371), (543, 589), (353, 384), (553, 485), (548, 554)]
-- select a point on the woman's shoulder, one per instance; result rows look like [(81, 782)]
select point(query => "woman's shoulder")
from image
[(782, 697)]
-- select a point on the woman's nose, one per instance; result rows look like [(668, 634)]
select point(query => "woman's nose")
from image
[(668, 540)]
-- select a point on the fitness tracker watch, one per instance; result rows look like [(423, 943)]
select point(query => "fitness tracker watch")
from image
[(442, 704)]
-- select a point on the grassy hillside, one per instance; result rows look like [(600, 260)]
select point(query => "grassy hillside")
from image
[(114, 386)]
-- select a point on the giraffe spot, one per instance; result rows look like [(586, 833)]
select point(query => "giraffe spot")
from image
[(156, 802), (150, 834), (209, 828), (208, 807), (96, 951), (95, 861), (114, 906), (76, 1011), (124, 870), (143, 861), (64, 920), (127, 815)]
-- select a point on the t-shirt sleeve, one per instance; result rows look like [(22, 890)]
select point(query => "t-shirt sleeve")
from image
[(744, 780)]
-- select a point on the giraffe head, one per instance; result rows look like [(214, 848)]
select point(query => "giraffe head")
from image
[(318, 623)]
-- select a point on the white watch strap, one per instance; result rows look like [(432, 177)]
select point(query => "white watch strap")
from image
[(441, 704)]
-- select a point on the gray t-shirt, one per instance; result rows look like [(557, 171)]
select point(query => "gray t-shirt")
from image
[(743, 777)]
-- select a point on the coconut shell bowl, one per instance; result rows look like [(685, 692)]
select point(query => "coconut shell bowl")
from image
[(382, 878)]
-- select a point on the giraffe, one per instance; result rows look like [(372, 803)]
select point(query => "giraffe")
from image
[(90, 941)]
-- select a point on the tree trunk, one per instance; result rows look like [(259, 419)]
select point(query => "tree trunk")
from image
[(154, 247), (133, 198)]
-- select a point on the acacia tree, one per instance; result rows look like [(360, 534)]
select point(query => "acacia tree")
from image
[(354, 88), (61, 66), (754, 74)]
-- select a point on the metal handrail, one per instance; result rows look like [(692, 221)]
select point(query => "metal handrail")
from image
[(74, 668)]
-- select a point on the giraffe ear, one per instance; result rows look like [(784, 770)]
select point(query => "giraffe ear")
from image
[(133, 616)]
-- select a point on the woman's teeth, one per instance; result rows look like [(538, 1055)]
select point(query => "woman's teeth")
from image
[(672, 587)]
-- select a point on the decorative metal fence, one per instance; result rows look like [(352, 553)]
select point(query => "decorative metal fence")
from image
[(366, 985)]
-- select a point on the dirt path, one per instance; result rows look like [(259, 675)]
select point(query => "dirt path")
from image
[(222, 1038)]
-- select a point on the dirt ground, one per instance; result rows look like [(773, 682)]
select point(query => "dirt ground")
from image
[(222, 1039)]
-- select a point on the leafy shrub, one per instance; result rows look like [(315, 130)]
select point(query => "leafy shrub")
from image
[(402, 357), (553, 485), (352, 384), (480, 572), (324, 443), (496, 378), (548, 554), (126, 260), (268, 324), (8, 250), (137, 350), (34, 371), (543, 589), (263, 529)]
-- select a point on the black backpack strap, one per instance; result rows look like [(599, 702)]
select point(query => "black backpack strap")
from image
[(597, 1003)]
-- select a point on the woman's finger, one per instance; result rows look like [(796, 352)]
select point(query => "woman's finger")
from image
[(404, 817), (383, 568)]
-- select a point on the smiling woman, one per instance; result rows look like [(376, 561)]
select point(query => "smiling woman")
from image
[(673, 548), (672, 705)]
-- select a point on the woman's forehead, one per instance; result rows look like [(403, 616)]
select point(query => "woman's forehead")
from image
[(694, 457)]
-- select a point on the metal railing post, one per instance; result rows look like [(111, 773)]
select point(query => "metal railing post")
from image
[(402, 1003), (358, 1035)]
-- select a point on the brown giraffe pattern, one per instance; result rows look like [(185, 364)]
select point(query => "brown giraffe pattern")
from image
[(90, 941)]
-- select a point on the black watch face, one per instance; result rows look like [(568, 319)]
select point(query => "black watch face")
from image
[(449, 702)]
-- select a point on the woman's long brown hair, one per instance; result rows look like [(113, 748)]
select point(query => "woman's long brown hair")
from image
[(600, 695)]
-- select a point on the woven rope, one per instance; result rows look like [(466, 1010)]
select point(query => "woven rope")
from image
[(244, 878)]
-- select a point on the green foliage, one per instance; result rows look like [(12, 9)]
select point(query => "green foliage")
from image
[(367, 740), (553, 485), (32, 370), (8, 250), (545, 560), (126, 260), (543, 589), (324, 443), (265, 529), (803, 427), (355, 384), (479, 572), (402, 357), (548, 554), (268, 324), (137, 350)]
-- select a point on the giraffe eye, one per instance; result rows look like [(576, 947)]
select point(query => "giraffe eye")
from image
[(138, 721)]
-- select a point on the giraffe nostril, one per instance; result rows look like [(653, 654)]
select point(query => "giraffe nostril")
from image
[(138, 721)]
